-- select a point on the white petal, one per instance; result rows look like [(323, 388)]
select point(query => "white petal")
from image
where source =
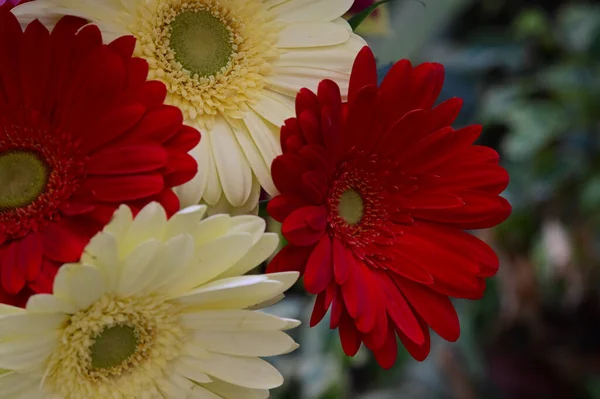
[(243, 371), (8, 309), (274, 107), (26, 352), (257, 162), (103, 252), (47, 303), (13, 384), (186, 366), (249, 208), (213, 189), (312, 10), (201, 392), (289, 80), (185, 221), (266, 245), (41, 10), (233, 293), (249, 224), (246, 343), (232, 320), (80, 284), (288, 279), (172, 389), (230, 391), (136, 270), (170, 263), (149, 223), (312, 34), (212, 228), (233, 168), (335, 58), (121, 222), (212, 259), (191, 192), (22, 324)]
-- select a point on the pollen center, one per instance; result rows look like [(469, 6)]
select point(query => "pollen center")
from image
[(23, 177), (201, 43), (113, 346), (351, 207)]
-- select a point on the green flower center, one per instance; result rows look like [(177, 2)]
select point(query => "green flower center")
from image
[(113, 347), (23, 177), (201, 43), (351, 207)]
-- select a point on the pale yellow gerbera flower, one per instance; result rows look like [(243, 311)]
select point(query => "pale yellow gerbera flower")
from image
[(234, 68), (155, 309)]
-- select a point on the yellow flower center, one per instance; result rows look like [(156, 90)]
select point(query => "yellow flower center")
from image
[(351, 207), (23, 177), (213, 55), (117, 346)]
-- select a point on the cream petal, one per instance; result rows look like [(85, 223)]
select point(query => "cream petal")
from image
[(248, 224), (15, 384), (41, 10), (186, 366), (138, 268), (213, 190), (212, 228), (171, 262), (149, 223), (191, 192), (257, 162), (8, 309), (201, 392), (311, 10), (245, 343), (102, 251), (47, 303), (230, 391), (185, 221), (334, 58), (121, 222), (80, 284), (312, 34), (234, 171), (27, 352), (211, 260), (233, 293), (288, 279), (22, 324), (264, 247), (289, 80), (243, 371), (232, 320), (274, 107), (171, 389)]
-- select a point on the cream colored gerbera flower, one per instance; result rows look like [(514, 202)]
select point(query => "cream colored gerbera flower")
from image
[(155, 309), (234, 68)]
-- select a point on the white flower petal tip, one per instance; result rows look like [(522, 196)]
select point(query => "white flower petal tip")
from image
[(153, 297), (239, 98)]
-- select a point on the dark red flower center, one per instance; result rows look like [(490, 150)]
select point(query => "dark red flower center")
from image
[(40, 168), (357, 211)]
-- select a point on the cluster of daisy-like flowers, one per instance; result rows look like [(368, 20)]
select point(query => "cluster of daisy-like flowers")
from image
[(126, 237)]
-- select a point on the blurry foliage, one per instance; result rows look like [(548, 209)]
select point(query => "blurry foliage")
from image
[(529, 72)]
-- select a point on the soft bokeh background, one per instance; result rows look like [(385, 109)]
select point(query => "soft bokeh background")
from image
[(529, 71)]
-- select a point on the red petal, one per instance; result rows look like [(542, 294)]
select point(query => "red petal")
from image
[(119, 160), (419, 352), (184, 141), (13, 280), (113, 124), (287, 171), (314, 184), (444, 114), (124, 47), (343, 262), (401, 314), (157, 126), (181, 168), (153, 93), (305, 226), (290, 259), (319, 268), (363, 117), (29, 256), (306, 100), (387, 354), (310, 128), (364, 73), (281, 206), (123, 188), (349, 336), (63, 242), (10, 68), (35, 63), (319, 310), (435, 309)]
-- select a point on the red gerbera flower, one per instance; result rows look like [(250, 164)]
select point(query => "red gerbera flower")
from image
[(374, 201), (81, 131)]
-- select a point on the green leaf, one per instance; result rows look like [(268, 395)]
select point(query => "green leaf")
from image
[(359, 18)]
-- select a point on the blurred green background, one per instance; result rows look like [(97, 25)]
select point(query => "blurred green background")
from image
[(529, 71)]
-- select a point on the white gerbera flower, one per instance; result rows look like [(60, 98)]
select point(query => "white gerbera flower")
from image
[(155, 309), (234, 68)]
